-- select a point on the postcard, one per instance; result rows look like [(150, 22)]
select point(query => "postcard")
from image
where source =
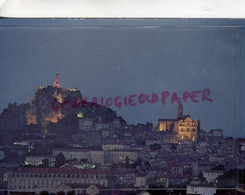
[(132, 106)]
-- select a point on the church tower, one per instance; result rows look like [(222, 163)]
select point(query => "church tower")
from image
[(180, 110)]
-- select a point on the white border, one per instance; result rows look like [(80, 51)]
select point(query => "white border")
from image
[(122, 8)]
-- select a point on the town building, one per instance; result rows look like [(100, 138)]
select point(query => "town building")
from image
[(216, 132), (201, 189), (168, 136), (167, 180), (107, 132), (186, 128), (42, 179), (115, 145), (93, 138), (85, 123), (97, 157), (70, 154), (141, 181), (122, 156), (150, 141), (38, 160), (212, 175)]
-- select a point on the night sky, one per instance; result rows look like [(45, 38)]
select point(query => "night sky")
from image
[(110, 61)]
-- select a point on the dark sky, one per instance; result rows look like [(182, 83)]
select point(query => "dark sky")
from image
[(117, 60)]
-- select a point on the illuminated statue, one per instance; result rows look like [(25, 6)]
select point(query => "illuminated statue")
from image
[(56, 84)]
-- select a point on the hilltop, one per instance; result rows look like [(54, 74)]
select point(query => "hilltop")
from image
[(40, 111)]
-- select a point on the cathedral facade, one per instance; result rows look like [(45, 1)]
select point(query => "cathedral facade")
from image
[(186, 128)]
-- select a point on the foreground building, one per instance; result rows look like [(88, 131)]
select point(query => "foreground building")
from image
[(50, 179), (201, 189)]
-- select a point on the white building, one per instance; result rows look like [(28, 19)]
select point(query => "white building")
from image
[(216, 132), (115, 146), (140, 182), (71, 154), (85, 123), (97, 157), (101, 125), (40, 179), (38, 160), (217, 158), (204, 190), (118, 155), (212, 175)]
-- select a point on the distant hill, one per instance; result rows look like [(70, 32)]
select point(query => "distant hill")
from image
[(46, 107)]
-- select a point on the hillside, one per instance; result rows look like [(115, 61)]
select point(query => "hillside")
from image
[(46, 108)]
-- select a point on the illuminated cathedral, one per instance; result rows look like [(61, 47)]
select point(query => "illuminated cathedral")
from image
[(184, 126)]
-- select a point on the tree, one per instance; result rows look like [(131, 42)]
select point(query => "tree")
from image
[(44, 193), (132, 193), (155, 146), (194, 148), (201, 178), (173, 147), (45, 163), (231, 178), (138, 162), (38, 149), (61, 193), (149, 125), (127, 162), (59, 160), (187, 170), (71, 192)]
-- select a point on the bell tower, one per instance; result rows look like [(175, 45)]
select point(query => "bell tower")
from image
[(180, 110), (56, 84)]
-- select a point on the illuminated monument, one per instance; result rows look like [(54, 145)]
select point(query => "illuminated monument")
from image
[(56, 84), (184, 126)]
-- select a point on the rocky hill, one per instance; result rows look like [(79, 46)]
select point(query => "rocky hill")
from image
[(52, 105)]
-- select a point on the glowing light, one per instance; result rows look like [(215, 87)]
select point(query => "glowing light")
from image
[(41, 87), (45, 131), (31, 117), (59, 98), (193, 138), (73, 89), (80, 114)]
